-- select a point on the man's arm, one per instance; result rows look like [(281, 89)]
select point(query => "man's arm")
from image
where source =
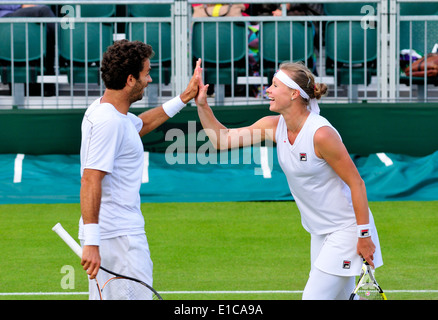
[(155, 117), (91, 192)]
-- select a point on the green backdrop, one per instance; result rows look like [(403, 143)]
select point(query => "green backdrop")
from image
[(409, 129)]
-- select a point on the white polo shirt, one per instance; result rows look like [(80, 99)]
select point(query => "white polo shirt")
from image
[(111, 143)]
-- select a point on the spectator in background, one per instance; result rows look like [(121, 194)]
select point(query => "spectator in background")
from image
[(292, 9), (301, 9), (219, 10)]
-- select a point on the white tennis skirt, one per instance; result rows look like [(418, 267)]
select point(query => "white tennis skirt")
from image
[(336, 253)]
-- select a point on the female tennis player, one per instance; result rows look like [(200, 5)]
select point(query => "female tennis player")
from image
[(322, 178)]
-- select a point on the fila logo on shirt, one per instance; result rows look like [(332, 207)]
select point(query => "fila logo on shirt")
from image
[(303, 156), (346, 264)]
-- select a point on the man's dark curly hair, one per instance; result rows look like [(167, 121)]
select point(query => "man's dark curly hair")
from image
[(122, 59)]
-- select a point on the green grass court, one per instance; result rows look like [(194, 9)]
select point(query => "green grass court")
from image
[(216, 250)]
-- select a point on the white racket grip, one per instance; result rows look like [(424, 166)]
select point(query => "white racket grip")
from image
[(64, 235)]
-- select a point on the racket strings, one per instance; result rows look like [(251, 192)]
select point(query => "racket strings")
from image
[(369, 291), (120, 288)]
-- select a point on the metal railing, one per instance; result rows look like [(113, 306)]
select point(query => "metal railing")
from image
[(357, 56)]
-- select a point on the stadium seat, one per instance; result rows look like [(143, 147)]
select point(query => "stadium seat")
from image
[(22, 50), (294, 43), (83, 47), (346, 9), (222, 48), (89, 42), (157, 34), (363, 61), (149, 10), (98, 10)]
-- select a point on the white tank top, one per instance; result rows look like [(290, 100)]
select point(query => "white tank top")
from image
[(323, 198)]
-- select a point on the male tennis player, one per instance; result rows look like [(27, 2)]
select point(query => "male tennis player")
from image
[(111, 228)]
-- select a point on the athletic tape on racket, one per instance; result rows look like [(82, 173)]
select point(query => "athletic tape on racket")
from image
[(64, 235)]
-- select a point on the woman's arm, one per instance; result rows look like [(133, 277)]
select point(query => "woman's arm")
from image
[(329, 147), (223, 138)]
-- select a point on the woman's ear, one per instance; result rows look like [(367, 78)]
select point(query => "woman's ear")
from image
[(294, 95)]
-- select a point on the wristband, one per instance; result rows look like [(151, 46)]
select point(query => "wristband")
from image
[(91, 234), (363, 231), (173, 106)]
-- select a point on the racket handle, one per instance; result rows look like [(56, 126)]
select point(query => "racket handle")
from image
[(64, 235)]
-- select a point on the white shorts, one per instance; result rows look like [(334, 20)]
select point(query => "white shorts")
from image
[(127, 255)]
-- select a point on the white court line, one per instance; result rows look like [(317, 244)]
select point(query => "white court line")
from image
[(197, 292), (18, 167), (145, 176), (385, 159), (265, 163)]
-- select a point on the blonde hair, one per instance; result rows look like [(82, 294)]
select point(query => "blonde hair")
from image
[(299, 73)]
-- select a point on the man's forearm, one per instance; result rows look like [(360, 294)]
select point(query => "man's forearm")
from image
[(90, 194)]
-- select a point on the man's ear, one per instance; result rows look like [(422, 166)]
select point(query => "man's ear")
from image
[(130, 81)]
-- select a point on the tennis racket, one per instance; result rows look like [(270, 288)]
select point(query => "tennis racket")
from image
[(367, 287), (117, 287)]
